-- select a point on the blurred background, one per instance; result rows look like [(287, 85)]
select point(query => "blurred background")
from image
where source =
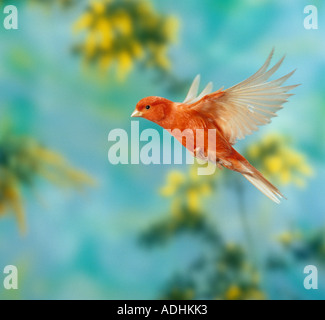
[(78, 227)]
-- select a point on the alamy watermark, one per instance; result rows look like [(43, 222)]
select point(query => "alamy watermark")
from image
[(311, 280), (10, 281), (148, 147), (10, 21), (311, 20)]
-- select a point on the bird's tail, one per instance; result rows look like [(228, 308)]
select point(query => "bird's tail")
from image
[(262, 184), (256, 178)]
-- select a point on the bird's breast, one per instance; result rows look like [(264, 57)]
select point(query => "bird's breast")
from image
[(195, 132)]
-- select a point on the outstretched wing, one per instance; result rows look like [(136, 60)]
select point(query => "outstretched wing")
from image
[(192, 95), (239, 110)]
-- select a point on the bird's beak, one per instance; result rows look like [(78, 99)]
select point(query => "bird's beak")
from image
[(136, 113)]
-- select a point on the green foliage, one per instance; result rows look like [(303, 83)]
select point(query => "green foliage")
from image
[(123, 32)]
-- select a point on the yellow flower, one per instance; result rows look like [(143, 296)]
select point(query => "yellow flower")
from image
[(233, 293), (286, 238), (123, 23), (10, 199), (144, 8), (125, 64), (279, 162), (104, 29), (254, 294), (193, 174), (293, 158), (84, 22), (176, 208), (90, 45), (106, 60), (273, 164), (98, 7), (128, 31), (170, 28), (253, 151), (193, 200), (168, 191), (186, 191), (174, 180), (189, 294), (206, 189), (137, 49), (159, 54), (162, 61)]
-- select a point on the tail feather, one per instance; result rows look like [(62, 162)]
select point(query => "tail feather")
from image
[(264, 186), (240, 164)]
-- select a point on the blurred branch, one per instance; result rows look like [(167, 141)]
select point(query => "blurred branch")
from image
[(123, 32), (22, 160), (223, 270)]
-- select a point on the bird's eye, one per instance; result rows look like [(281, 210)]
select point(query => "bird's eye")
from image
[(147, 107)]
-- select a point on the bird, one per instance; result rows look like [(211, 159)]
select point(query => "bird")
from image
[(230, 114)]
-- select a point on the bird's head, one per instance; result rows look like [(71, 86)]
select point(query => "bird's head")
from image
[(152, 108)]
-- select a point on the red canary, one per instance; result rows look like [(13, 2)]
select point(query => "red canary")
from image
[(232, 113)]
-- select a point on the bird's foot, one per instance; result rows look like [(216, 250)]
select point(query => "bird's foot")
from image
[(199, 153)]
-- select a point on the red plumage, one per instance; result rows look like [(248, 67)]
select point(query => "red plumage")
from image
[(231, 114)]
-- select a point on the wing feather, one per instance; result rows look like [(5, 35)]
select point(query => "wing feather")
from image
[(239, 110), (193, 95)]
